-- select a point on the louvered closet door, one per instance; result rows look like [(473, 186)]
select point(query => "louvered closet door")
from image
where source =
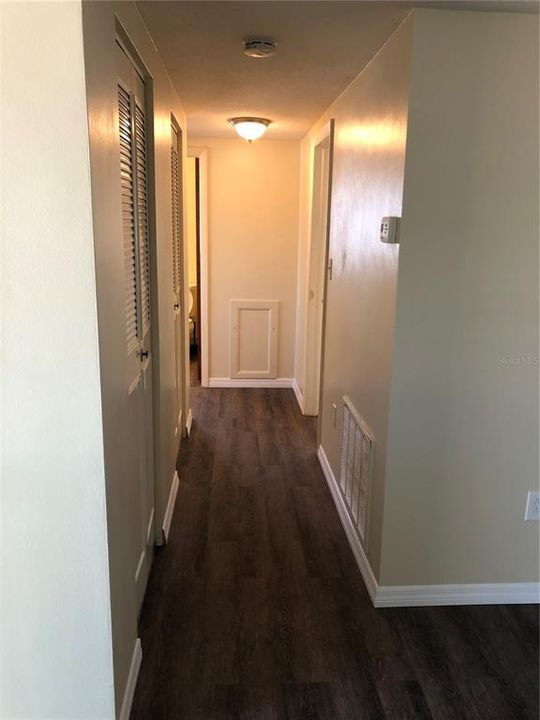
[(177, 219), (142, 211), (177, 257), (127, 184), (134, 191)]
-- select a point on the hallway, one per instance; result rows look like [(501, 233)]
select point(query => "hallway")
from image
[(336, 203), (256, 608)]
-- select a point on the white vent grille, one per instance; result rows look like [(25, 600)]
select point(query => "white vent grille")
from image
[(356, 462)]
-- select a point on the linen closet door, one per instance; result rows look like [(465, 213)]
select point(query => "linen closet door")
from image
[(133, 138), (177, 255)]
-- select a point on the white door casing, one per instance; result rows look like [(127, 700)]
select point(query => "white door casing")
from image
[(202, 155), (318, 266)]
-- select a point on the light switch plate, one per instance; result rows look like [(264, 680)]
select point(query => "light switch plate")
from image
[(389, 230)]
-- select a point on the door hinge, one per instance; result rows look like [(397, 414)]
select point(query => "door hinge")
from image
[(330, 268)]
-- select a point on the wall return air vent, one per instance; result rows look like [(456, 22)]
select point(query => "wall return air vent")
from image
[(356, 466)]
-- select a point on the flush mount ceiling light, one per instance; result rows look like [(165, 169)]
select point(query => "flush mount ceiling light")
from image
[(259, 47), (250, 128)]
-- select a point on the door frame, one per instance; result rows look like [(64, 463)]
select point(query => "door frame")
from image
[(184, 292), (202, 155), (315, 324)]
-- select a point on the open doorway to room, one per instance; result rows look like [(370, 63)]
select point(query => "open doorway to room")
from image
[(197, 275), (193, 227), (319, 267)]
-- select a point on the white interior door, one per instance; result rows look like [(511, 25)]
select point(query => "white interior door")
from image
[(178, 267), (317, 274), (320, 262), (133, 139)]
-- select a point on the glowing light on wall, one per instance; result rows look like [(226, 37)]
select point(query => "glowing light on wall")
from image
[(387, 135)]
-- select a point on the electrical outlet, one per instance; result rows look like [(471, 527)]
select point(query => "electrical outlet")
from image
[(532, 509)]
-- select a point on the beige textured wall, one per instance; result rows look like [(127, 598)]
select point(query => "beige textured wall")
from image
[(367, 183), (55, 627), (253, 232), (191, 220), (120, 428), (463, 435)]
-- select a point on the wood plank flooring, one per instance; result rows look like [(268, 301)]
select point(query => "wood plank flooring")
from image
[(256, 610)]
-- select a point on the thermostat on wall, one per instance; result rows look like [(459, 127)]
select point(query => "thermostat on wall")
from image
[(389, 230)]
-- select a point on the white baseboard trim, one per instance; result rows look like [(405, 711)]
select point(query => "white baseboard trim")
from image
[(352, 536), (140, 565), (469, 594), (423, 595), (298, 395), (189, 422), (150, 527), (131, 684), (170, 506), (250, 382)]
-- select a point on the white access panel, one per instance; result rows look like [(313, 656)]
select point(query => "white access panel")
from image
[(254, 338)]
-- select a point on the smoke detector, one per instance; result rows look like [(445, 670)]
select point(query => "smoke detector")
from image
[(259, 47)]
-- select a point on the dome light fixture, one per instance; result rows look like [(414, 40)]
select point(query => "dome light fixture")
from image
[(250, 128)]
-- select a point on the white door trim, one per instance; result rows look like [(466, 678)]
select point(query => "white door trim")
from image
[(202, 154), (129, 692), (314, 328)]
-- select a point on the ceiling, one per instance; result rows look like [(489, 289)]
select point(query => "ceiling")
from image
[(322, 46)]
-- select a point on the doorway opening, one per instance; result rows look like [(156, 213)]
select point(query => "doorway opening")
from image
[(319, 271), (197, 266), (194, 270)]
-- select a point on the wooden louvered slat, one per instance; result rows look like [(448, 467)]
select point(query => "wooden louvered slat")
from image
[(128, 218), (177, 218), (180, 242), (142, 216), (174, 206)]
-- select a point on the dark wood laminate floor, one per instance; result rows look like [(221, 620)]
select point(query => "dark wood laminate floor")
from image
[(255, 610), (193, 368)]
